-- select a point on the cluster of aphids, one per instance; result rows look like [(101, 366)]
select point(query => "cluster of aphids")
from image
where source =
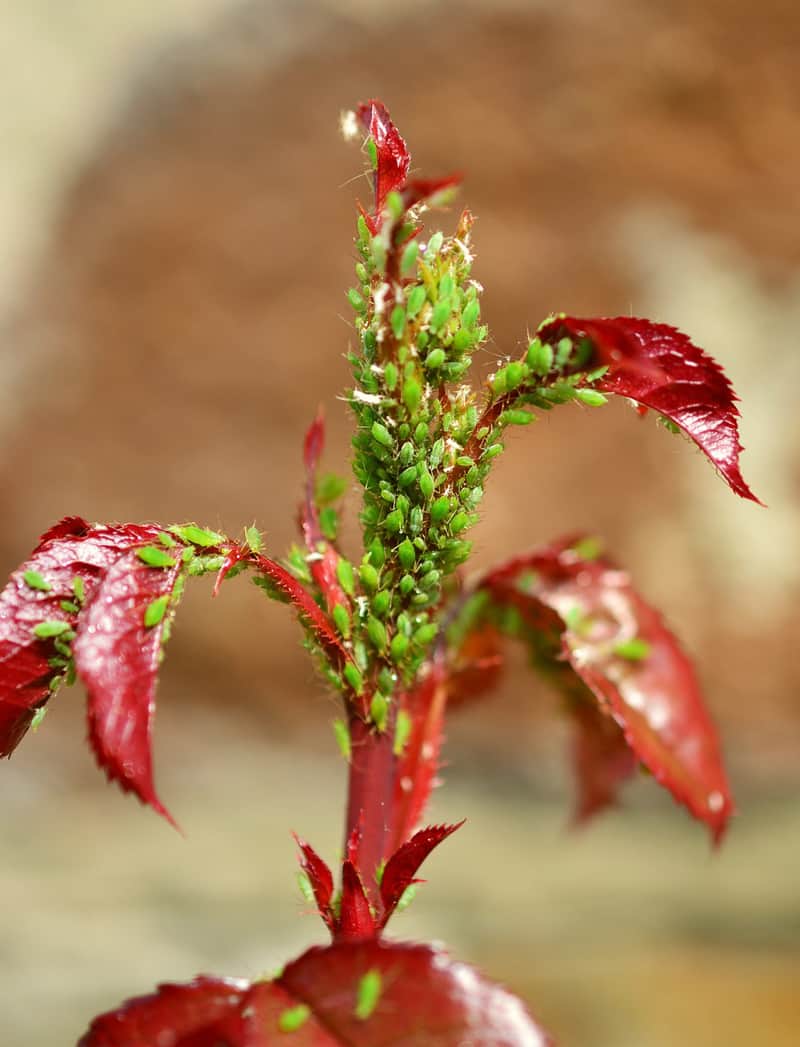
[(423, 447)]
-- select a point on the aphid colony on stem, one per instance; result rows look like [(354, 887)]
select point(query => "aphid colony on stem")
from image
[(397, 630)]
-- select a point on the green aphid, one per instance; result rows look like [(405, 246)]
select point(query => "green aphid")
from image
[(440, 316), (470, 313), (464, 461), (352, 675), (376, 631), (416, 300), (198, 535), (166, 540), (407, 584), (412, 394), (394, 205), (492, 451), (368, 994), (293, 1018), (407, 897), (408, 476), (670, 425), (426, 482), (49, 629), (402, 731), (35, 581), (589, 548), (341, 619), (346, 576), (390, 374), (633, 650), (38, 716), (406, 454), (370, 342), (79, 589), (62, 644), (436, 454), (329, 522), (415, 520), (431, 579), (379, 710), (563, 351), (381, 603), (330, 488), (364, 234), (434, 246), (187, 555), (252, 537), (306, 889), (201, 565), (408, 259), (425, 633), (372, 152), (376, 553), (368, 576), (398, 648), (155, 611), (406, 554), (382, 435), (439, 509), (342, 735), (514, 416), (421, 433), (459, 522), (398, 321), (462, 340), (422, 340), (435, 359), (394, 521), (540, 357), (590, 397), (378, 250)]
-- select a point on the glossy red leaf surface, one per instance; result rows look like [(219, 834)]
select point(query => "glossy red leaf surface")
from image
[(356, 921), (393, 158), (404, 863), (118, 657), (355, 994), (602, 759), (619, 647), (660, 368), (68, 551), (321, 880), (208, 1012)]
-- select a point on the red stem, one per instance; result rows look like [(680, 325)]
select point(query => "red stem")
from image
[(370, 798)]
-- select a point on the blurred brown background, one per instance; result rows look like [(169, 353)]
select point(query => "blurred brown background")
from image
[(177, 212)]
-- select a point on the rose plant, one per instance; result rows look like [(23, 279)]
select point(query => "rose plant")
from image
[(398, 631)]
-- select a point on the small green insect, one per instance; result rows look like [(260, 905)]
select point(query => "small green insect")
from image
[(293, 1018), (368, 994)]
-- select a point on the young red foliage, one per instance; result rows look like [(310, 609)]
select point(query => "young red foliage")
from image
[(393, 157), (102, 615), (358, 994), (618, 646), (401, 867), (117, 656), (321, 880), (660, 368)]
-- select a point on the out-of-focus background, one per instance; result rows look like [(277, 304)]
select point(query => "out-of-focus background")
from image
[(176, 214)]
